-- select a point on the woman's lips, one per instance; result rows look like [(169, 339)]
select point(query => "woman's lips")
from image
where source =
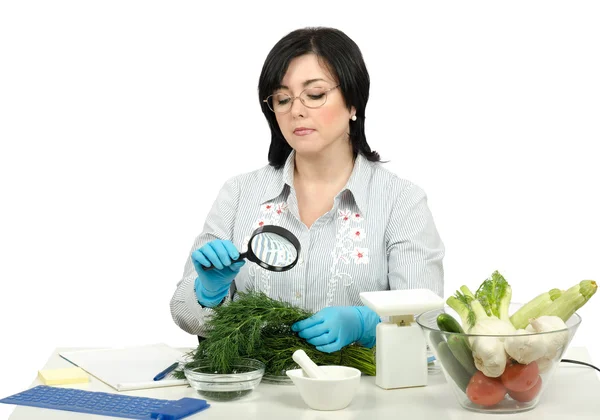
[(303, 131)]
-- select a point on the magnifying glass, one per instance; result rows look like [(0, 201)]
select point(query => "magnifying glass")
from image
[(272, 247)]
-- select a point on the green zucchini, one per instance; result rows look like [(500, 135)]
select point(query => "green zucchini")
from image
[(446, 322), (459, 346), (453, 367)]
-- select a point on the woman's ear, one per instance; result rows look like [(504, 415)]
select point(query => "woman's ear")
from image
[(353, 113)]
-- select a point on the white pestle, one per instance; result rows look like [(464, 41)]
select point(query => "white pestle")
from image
[(309, 367)]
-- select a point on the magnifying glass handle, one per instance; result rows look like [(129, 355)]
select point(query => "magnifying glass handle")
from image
[(212, 267)]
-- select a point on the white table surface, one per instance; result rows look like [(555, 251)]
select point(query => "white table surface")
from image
[(573, 393)]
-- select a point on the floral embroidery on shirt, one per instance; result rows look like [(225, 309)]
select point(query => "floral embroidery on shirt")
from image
[(281, 208), (345, 278), (270, 213), (261, 222), (357, 234), (360, 255), (345, 215), (346, 251), (267, 208), (273, 211)]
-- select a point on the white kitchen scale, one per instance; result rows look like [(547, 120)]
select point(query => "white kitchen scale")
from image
[(401, 353)]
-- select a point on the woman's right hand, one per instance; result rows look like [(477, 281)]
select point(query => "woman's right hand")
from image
[(212, 286)]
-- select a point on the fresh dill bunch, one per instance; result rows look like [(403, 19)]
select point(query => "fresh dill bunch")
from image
[(258, 327)]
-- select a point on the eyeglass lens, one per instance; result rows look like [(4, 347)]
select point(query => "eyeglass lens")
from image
[(311, 98)]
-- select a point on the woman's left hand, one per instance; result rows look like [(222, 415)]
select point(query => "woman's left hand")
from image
[(335, 327)]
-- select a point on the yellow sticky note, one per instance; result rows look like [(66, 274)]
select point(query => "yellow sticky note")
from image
[(74, 375)]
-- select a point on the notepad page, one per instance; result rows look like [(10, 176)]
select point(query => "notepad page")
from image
[(128, 368), (72, 375)]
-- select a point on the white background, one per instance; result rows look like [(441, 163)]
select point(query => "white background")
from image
[(120, 121)]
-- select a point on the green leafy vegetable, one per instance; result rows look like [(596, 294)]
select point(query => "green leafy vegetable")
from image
[(258, 327), (494, 294)]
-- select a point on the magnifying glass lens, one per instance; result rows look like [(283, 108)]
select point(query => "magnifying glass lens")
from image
[(273, 249)]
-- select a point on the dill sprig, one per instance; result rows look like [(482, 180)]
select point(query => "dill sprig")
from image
[(258, 327)]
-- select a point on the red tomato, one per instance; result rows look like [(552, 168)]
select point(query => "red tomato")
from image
[(485, 391), (528, 395), (520, 378)]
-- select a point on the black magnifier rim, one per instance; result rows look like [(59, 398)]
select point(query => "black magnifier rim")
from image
[(286, 234)]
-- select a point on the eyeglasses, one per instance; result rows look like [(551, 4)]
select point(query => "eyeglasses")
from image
[(312, 97)]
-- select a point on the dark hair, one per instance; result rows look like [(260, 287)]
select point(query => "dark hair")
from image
[(344, 60)]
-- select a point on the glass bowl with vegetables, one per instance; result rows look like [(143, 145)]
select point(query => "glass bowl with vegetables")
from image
[(498, 356)]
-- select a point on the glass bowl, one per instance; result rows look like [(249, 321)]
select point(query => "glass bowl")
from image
[(519, 386), (245, 376)]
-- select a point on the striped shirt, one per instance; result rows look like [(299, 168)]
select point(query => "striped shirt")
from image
[(379, 235)]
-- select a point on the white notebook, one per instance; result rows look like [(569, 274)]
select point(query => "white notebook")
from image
[(128, 368)]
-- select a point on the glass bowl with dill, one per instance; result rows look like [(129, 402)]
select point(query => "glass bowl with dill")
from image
[(244, 376)]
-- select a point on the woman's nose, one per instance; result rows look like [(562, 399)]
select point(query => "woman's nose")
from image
[(298, 108)]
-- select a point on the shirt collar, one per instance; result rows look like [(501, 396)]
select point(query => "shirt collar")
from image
[(358, 183), (275, 189)]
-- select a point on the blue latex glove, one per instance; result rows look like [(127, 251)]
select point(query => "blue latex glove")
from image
[(213, 286), (334, 327)]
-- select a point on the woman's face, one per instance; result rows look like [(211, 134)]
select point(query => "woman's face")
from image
[(311, 131)]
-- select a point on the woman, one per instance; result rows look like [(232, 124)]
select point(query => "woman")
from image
[(361, 228)]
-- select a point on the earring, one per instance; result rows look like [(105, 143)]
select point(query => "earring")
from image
[(353, 118)]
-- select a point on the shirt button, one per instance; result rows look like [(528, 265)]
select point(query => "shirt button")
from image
[(301, 261)]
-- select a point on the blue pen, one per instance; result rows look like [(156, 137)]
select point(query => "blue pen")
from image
[(165, 372)]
